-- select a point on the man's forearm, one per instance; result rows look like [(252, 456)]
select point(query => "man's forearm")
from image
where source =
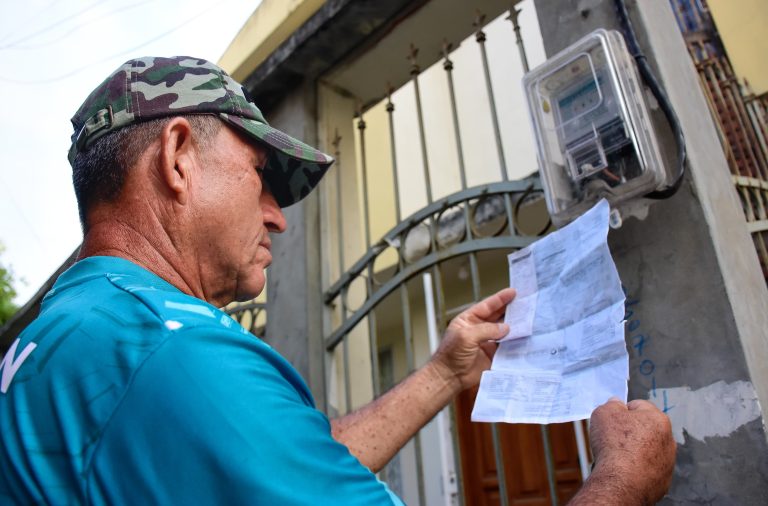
[(375, 432)]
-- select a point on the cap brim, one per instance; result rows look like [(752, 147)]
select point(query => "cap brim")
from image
[(293, 168)]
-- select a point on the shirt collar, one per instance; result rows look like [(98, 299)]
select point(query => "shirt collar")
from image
[(99, 266)]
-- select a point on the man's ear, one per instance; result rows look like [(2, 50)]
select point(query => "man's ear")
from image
[(178, 157)]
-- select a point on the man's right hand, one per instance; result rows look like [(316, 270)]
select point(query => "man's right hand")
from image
[(634, 455)]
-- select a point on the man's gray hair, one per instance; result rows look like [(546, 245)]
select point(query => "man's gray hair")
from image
[(98, 174)]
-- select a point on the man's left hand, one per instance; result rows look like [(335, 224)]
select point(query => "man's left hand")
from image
[(468, 344)]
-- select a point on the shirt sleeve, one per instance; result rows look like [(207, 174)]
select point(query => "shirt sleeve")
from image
[(213, 417)]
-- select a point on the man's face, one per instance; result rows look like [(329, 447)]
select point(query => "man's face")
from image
[(235, 212)]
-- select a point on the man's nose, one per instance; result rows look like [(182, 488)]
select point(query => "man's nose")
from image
[(274, 219)]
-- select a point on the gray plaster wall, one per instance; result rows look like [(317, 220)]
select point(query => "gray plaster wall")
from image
[(294, 318), (696, 300)]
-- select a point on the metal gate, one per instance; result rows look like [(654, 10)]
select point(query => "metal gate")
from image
[(410, 239)]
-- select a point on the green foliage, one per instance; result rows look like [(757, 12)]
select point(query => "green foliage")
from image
[(7, 293)]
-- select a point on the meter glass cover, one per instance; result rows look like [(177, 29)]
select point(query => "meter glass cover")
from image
[(591, 123)]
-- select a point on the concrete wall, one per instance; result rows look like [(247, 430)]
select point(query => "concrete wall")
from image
[(271, 23), (294, 322), (696, 299)]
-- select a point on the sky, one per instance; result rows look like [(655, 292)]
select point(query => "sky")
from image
[(52, 54)]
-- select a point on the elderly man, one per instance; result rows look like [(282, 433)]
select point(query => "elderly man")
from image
[(133, 388)]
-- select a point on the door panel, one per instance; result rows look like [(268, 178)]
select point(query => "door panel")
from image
[(523, 456)]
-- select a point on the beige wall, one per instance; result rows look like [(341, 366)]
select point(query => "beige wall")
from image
[(742, 25)]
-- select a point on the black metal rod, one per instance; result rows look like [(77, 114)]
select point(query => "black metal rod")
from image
[(448, 66), (390, 115), (347, 382), (420, 116), (364, 170), (500, 471), (480, 37), (550, 461), (514, 13)]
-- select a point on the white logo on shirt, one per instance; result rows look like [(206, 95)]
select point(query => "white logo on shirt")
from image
[(10, 365)]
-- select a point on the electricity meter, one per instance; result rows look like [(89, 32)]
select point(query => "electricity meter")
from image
[(592, 128)]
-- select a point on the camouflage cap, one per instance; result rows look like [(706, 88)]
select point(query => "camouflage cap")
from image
[(149, 88)]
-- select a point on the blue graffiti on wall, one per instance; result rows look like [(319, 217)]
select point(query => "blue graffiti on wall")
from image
[(642, 344)]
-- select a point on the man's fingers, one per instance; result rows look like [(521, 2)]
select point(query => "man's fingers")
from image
[(489, 348), (641, 405), (614, 404), (483, 332), (491, 308), (615, 399)]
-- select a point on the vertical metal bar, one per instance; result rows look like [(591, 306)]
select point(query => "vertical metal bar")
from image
[(500, 473), (415, 70), (373, 341), (339, 214), (760, 131), (441, 420), (456, 456), (367, 227), (405, 306), (347, 382), (760, 124), (581, 446), (514, 13), (550, 464), (511, 219), (410, 361), (390, 115), (404, 301), (749, 210), (761, 248), (480, 38), (372, 335), (760, 163), (414, 51), (419, 469), (448, 66), (473, 270), (437, 274)]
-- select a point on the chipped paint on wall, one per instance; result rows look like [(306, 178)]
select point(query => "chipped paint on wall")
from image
[(713, 411)]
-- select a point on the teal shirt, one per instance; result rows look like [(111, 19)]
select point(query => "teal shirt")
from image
[(126, 391)]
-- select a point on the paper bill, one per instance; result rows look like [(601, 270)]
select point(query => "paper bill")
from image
[(565, 352)]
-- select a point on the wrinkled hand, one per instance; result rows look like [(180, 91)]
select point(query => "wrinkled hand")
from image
[(467, 347), (633, 446)]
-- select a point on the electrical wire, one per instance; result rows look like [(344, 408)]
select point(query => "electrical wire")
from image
[(25, 21), (66, 34), (110, 57), (661, 97), (52, 26)]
